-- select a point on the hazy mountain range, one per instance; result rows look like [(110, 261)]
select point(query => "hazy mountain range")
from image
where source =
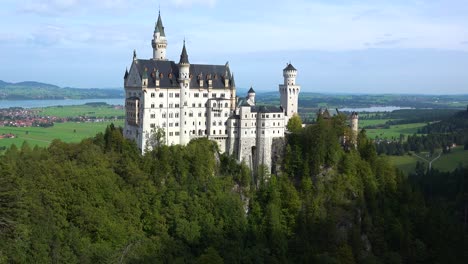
[(36, 90)]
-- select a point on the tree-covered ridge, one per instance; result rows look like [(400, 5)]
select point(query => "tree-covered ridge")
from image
[(41, 91), (100, 201)]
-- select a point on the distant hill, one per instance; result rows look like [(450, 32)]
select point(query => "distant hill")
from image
[(30, 90)]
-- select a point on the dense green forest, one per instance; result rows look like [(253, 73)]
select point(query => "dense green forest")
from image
[(100, 201)]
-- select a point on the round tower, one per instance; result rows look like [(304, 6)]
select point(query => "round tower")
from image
[(184, 80), (289, 74), (159, 42), (354, 123), (289, 92)]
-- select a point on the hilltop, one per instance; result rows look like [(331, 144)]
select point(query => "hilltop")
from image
[(31, 90)]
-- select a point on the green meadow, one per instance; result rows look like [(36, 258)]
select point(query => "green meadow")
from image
[(99, 111), (446, 162), (67, 132), (394, 131)]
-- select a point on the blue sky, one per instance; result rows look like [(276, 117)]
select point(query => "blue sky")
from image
[(370, 46)]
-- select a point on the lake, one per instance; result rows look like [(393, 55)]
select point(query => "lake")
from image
[(45, 103), (374, 109)]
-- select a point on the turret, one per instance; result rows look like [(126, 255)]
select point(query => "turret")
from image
[(159, 42), (289, 92), (289, 74), (184, 80), (251, 96), (233, 92)]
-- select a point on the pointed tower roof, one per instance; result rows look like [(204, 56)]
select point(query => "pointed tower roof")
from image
[(159, 26), (126, 74), (251, 90), (184, 56), (290, 68), (233, 83)]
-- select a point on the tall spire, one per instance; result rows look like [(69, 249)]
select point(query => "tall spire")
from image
[(159, 26), (184, 56)]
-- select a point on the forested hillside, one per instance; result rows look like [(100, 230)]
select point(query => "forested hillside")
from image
[(41, 91), (100, 201)]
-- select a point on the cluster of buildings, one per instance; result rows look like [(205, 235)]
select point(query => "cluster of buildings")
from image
[(189, 101), (19, 117)]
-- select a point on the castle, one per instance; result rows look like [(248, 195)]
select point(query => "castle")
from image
[(189, 101)]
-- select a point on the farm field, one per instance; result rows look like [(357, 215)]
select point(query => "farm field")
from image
[(372, 122), (67, 132), (446, 162), (99, 111), (394, 131)]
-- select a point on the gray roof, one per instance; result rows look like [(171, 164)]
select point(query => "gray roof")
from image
[(289, 68), (251, 90), (126, 74), (159, 26), (169, 74), (184, 56), (266, 109)]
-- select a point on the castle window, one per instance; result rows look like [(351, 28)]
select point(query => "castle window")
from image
[(176, 124), (199, 114), (190, 114), (176, 115), (171, 115), (263, 132), (223, 95), (177, 95), (177, 105), (225, 131), (263, 124), (177, 133), (274, 116), (152, 105), (152, 125), (152, 95), (214, 123), (161, 95), (197, 95), (220, 132), (199, 104), (263, 115), (213, 95), (171, 95), (171, 124), (161, 106), (163, 115), (193, 105), (171, 105), (225, 114), (153, 115), (171, 134), (220, 123), (205, 95), (214, 132)]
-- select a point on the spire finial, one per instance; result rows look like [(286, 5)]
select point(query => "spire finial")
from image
[(134, 54)]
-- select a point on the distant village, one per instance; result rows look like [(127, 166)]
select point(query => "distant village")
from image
[(20, 117)]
